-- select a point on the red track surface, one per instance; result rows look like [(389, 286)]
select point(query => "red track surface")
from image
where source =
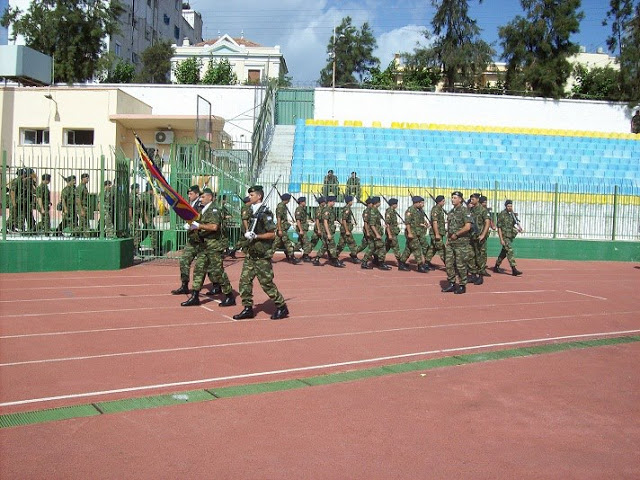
[(80, 337)]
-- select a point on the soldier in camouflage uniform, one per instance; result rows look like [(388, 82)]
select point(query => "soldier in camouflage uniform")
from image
[(148, 212), (68, 200), (478, 258), (437, 233), (458, 249), (82, 202), (353, 186), (376, 244), (331, 185), (347, 222), (28, 203), (415, 228), (43, 204), (245, 216), (282, 239), (508, 228), (192, 246), (210, 230), (134, 214), (257, 262), (12, 222), (302, 227), (392, 231), (107, 209), (328, 230), (366, 234), (316, 234)]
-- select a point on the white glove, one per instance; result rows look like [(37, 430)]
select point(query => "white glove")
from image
[(187, 226), (194, 226), (251, 236)]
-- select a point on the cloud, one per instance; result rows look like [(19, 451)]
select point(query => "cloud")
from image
[(400, 40)]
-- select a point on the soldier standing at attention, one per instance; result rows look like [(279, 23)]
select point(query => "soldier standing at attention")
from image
[(392, 231), (134, 214), (282, 239), (257, 262), (346, 230), (302, 227), (68, 200), (376, 244), (82, 199), (415, 228), (507, 231), (107, 209), (353, 186), (458, 249), (331, 185), (436, 232), (192, 245), (43, 203), (478, 257), (210, 252)]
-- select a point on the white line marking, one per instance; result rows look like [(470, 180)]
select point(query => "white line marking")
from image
[(291, 339), (115, 285), (310, 368), (48, 314), (66, 299), (585, 295)]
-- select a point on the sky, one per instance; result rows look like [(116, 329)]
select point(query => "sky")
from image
[(303, 28), (3, 31)]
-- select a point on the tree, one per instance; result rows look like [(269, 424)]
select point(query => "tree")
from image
[(187, 72), (73, 32), (121, 72), (620, 14), (626, 35), (219, 73), (461, 55), (352, 50), (156, 63), (597, 83), (537, 48)]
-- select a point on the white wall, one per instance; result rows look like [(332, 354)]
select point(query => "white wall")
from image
[(466, 109)]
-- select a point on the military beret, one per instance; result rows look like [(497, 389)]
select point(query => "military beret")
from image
[(207, 190), (475, 195), (285, 196), (107, 182), (84, 175), (375, 200), (246, 199), (302, 199), (482, 199), (255, 188), (417, 198), (458, 194), (71, 177), (439, 198), (347, 198), (508, 202), (133, 187), (331, 198), (393, 201), (321, 200), (368, 200), (29, 171), (46, 176), (195, 189), (20, 172), (330, 171)]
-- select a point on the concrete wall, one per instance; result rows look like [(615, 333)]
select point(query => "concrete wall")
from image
[(467, 109)]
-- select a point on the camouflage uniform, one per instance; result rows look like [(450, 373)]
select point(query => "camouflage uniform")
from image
[(191, 248), (328, 243), (148, 211), (257, 263), (282, 241), (44, 195), (316, 234), (28, 203), (302, 216), (458, 250), (210, 249), (436, 246), (353, 187), (414, 218), (366, 240), (478, 256), (82, 199), (331, 185), (391, 219), (12, 222), (107, 211), (135, 209), (346, 217), (69, 215), (507, 224), (376, 245)]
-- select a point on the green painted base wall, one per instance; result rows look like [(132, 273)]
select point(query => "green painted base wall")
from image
[(53, 256), (554, 249)]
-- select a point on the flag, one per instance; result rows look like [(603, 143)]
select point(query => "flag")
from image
[(182, 208)]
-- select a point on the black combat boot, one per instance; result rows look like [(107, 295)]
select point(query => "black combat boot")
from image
[(336, 262), (229, 299), (449, 288), (472, 278), (193, 300), (354, 258), (247, 312), (306, 258), (183, 290), (383, 266), (292, 259), (478, 280), (366, 266), (484, 273), (316, 262), (281, 312), (215, 290), (403, 267), (461, 289), (497, 269), (423, 268), (431, 266), (515, 272), (231, 253)]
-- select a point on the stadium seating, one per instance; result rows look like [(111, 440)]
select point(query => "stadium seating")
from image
[(463, 153)]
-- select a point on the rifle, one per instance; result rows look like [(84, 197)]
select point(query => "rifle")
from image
[(516, 222), (290, 214), (426, 217), (395, 211), (492, 225), (263, 207)]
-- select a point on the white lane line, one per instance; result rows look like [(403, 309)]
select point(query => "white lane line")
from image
[(145, 285), (293, 339), (585, 295), (312, 367), (67, 299), (81, 312)]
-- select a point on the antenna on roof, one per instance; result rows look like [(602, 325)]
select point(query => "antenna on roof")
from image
[(242, 34)]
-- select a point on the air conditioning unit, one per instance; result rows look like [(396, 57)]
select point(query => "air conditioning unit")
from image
[(164, 137)]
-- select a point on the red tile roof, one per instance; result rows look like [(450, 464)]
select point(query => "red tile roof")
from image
[(239, 41)]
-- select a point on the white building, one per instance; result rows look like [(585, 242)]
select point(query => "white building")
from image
[(251, 62)]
